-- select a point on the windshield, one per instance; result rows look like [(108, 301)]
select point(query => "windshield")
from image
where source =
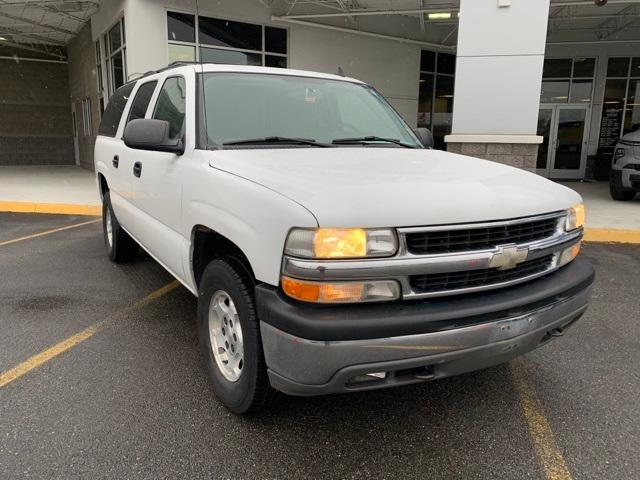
[(247, 106)]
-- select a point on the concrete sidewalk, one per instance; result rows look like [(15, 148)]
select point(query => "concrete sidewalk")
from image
[(49, 189), (603, 211)]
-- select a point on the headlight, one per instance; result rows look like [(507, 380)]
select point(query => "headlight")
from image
[(341, 243), (575, 217), (620, 152), (341, 292)]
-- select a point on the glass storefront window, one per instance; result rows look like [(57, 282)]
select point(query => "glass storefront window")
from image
[(181, 53), (442, 110), (555, 91), (567, 80), (635, 67), (556, 68), (621, 105), (584, 67), (115, 60), (226, 33), (612, 111), (425, 100), (435, 97), (181, 27), (618, 67), (632, 110), (115, 38), (427, 61), (276, 61), (446, 63), (581, 91), (225, 41), (233, 57), (275, 40)]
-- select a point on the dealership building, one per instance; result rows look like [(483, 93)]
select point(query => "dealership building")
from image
[(548, 86)]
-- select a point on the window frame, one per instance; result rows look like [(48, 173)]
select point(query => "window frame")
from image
[(109, 56), (156, 97), (436, 74), (198, 45), (571, 78), (153, 97), (628, 79), (125, 111)]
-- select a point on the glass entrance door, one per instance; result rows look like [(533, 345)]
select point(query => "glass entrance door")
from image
[(563, 151)]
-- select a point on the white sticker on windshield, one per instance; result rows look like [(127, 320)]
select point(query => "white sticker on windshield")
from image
[(310, 95)]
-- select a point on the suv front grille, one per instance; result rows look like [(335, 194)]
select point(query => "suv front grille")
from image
[(437, 282), (470, 239)]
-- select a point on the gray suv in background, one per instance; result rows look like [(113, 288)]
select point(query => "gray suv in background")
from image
[(625, 171)]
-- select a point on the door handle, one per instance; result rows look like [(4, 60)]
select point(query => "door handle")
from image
[(137, 169), (115, 161)]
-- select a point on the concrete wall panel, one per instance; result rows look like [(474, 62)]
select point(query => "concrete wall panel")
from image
[(35, 116)]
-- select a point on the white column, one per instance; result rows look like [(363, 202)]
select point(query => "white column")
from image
[(501, 46)]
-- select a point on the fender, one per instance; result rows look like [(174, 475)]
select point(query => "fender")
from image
[(253, 217)]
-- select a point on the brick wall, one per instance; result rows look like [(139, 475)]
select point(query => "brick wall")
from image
[(83, 84), (35, 116), (521, 155)]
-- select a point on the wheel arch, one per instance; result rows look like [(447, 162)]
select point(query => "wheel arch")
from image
[(208, 245), (103, 185)]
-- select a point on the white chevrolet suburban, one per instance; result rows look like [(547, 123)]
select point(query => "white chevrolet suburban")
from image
[(331, 249)]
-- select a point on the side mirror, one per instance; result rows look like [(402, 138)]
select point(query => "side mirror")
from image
[(425, 136), (150, 134)]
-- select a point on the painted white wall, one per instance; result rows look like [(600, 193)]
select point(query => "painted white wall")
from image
[(499, 69)]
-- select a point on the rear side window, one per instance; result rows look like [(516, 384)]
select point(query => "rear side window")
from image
[(171, 105), (141, 101), (113, 113)]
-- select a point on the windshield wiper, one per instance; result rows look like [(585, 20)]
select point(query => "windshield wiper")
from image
[(283, 140), (348, 141)]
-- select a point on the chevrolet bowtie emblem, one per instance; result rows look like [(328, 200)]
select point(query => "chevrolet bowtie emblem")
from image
[(508, 257)]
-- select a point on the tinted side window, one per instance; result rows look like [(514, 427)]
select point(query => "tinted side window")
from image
[(141, 101), (171, 105), (113, 112)]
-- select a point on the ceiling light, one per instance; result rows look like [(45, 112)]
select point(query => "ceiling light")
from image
[(2, 39), (440, 16)]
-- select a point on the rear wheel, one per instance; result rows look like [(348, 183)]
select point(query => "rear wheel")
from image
[(120, 246), (621, 193), (230, 336)]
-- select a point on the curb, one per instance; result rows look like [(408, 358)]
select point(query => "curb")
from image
[(611, 235), (55, 208)]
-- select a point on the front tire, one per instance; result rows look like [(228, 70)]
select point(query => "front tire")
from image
[(621, 194), (230, 336), (120, 246)]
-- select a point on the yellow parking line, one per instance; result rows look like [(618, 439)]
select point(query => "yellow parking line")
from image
[(611, 235), (544, 441), (47, 232), (56, 208), (43, 357), (61, 347)]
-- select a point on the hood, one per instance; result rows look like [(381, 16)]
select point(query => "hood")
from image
[(396, 187), (632, 137)]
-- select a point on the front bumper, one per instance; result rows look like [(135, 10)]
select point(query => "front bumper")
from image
[(413, 341), (627, 177)]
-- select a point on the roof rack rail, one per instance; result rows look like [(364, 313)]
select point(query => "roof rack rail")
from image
[(177, 63)]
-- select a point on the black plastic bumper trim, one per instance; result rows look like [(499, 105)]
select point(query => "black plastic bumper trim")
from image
[(357, 322)]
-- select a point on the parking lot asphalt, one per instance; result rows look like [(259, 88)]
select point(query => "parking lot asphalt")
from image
[(133, 400)]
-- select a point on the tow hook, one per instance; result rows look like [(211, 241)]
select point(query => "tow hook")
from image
[(556, 332)]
